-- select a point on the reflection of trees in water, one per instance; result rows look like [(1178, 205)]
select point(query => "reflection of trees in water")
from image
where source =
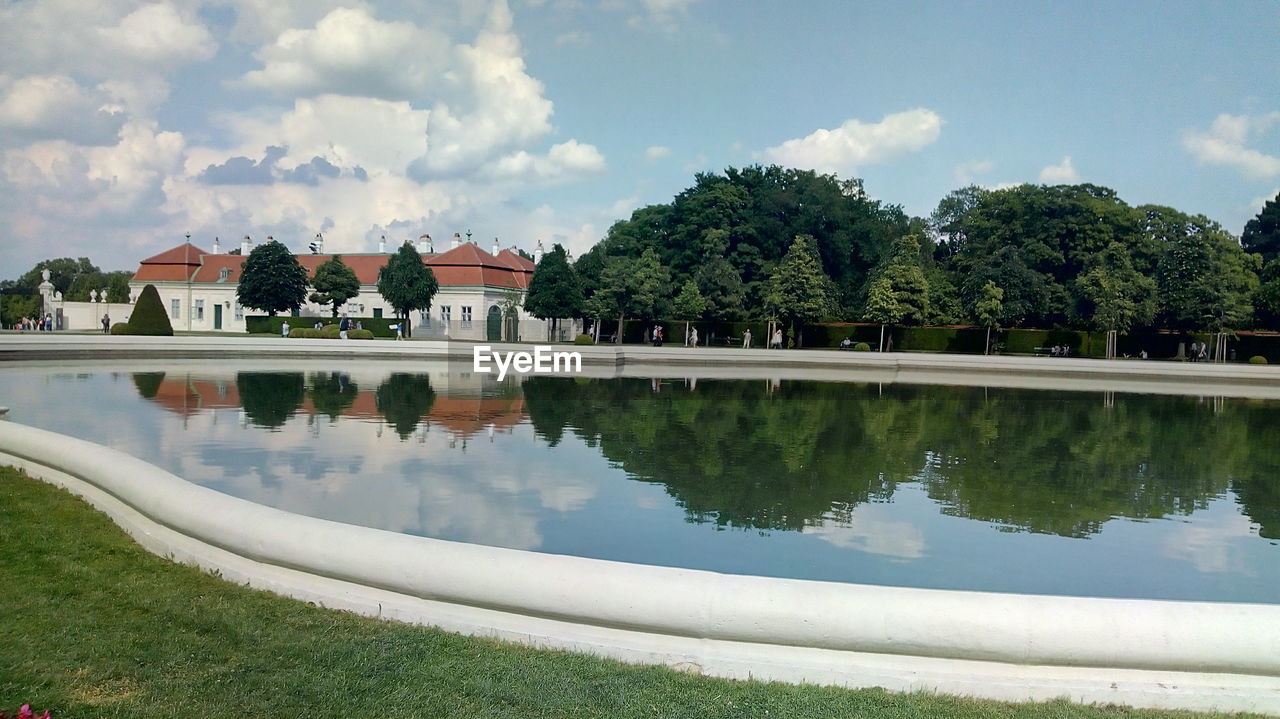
[(148, 383), (404, 399), (269, 399), (332, 392), (737, 455)]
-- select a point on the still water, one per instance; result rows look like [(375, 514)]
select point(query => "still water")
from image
[(1011, 490)]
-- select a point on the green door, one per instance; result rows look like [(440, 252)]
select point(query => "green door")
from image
[(493, 325), (217, 315)]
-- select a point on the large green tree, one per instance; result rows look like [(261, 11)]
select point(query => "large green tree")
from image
[(1262, 233), (1113, 295), (272, 280), (335, 283), (555, 293), (407, 284), (63, 273), (799, 291), (1205, 280)]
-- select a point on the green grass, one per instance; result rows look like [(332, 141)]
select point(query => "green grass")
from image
[(93, 626)]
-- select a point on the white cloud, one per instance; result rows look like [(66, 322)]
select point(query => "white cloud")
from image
[(156, 35), (964, 173), (1062, 173), (656, 152), (42, 107), (856, 143), (1224, 144), (350, 52), (567, 160)]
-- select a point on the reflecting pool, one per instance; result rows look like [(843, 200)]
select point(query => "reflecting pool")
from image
[(1079, 493)]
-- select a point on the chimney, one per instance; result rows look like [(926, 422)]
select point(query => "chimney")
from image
[(319, 244), (245, 245), (495, 249), (217, 246), (537, 253), (424, 245), (382, 245), (457, 241)]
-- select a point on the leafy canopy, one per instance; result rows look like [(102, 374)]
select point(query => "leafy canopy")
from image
[(406, 282), (555, 291), (335, 283), (272, 280)]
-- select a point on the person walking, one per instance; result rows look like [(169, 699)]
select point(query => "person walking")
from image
[(746, 339), (106, 324), (777, 339), (693, 337), (343, 325)]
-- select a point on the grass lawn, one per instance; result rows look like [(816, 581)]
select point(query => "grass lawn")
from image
[(93, 626)]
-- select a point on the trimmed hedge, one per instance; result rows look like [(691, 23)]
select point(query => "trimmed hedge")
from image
[(583, 340), (326, 334), (120, 328), (149, 316), (862, 347), (261, 324), (1257, 359)]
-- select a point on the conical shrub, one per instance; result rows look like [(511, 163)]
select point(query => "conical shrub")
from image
[(149, 316)]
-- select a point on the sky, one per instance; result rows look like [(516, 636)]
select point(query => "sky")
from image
[(126, 125)]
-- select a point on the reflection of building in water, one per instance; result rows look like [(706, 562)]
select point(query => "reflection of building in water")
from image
[(462, 411)]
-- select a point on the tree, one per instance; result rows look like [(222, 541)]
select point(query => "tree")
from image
[(799, 291), (335, 283), (1205, 281), (989, 309), (882, 305), (555, 292), (272, 279), (689, 304), (1262, 233), (404, 399), (407, 284), (1117, 295), (1266, 300), (649, 283), (63, 272)]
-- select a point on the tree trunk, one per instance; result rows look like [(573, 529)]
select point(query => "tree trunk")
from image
[(986, 349), (617, 340), (882, 337), (686, 334), (405, 328)]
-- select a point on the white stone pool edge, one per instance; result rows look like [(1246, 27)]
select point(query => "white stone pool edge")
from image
[(1153, 654)]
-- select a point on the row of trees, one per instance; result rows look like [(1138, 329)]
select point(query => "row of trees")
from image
[(796, 246), (273, 281), (74, 278)]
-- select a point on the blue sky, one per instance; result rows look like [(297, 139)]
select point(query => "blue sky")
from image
[(125, 125)]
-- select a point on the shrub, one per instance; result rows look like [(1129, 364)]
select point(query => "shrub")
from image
[(1257, 359), (26, 713), (583, 340), (330, 332), (149, 316), (305, 332), (120, 328), (360, 334), (862, 347)]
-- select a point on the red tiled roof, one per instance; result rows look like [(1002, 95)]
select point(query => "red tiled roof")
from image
[(463, 265), (184, 254)]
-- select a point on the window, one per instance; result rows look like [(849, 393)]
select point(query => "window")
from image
[(466, 316), (224, 274), (377, 312), (198, 311), (239, 311), (175, 308), (446, 313)]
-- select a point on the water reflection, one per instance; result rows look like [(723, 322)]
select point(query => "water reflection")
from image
[(802, 455)]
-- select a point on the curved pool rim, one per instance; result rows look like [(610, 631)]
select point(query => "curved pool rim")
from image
[(1146, 653)]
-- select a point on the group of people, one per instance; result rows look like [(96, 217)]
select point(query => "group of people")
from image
[(775, 341), (1060, 351), (35, 324), (1199, 352)]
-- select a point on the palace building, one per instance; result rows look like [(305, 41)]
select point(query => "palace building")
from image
[(198, 288)]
